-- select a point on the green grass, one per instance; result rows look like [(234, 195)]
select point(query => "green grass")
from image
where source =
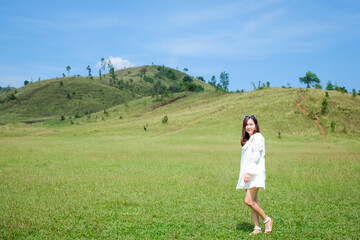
[(106, 178)]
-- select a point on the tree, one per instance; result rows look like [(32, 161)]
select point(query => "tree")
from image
[(89, 70), (318, 86), (112, 73), (110, 65), (26, 82), (100, 74), (103, 64), (68, 70), (329, 86), (340, 89), (185, 70), (187, 79), (224, 80), (213, 81), (200, 78), (309, 78), (219, 87)]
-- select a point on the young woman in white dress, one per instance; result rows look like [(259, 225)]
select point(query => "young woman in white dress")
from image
[(252, 171)]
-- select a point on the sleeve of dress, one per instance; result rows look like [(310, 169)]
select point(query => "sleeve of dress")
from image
[(254, 157)]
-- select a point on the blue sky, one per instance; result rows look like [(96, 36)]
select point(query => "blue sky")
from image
[(266, 40)]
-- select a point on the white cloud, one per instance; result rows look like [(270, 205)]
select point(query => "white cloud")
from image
[(117, 62)]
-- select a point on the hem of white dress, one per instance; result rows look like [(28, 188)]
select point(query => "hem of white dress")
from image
[(249, 187)]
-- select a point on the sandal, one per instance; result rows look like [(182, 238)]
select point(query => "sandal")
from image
[(268, 229), (256, 228)]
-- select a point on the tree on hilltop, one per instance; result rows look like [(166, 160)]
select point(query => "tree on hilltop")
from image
[(213, 81), (329, 86), (200, 78), (103, 65), (309, 78), (89, 70), (224, 80), (110, 65), (68, 70)]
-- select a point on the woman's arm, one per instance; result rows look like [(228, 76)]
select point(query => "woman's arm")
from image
[(257, 147)]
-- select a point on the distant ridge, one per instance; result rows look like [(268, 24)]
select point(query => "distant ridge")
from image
[(78, 96)]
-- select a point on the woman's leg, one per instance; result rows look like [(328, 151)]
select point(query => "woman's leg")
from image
[(252, 201), (254, 215)]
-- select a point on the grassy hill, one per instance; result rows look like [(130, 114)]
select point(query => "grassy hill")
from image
[(216, 112), (79, 96), (103, 176)]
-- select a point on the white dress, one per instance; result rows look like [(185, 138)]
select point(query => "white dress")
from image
[(253, 162)]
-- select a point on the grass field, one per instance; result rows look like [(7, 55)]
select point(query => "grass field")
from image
[(107, 178)]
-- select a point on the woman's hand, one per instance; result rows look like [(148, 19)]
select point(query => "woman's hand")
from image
[(247, 177)]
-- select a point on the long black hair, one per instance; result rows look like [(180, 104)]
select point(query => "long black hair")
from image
[(245, 136)]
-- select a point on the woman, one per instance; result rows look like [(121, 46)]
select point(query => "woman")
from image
[(252, 171)]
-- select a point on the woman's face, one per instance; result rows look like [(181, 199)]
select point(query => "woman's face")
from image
[(250, 126)]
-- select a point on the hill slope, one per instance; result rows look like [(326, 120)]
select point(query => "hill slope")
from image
[(216, 114), (78, 96)]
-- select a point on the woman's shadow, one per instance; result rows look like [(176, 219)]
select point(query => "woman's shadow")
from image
[(244, 226)]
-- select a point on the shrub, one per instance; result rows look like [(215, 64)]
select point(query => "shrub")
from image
[(148, 79), (62, 118), (170, 74), (354, 92), (312, 115), (332, 126), (344, 130), (159, 88), (175, 88), (121, 84), (187, 79), (11, 97), (324, 105), (340, 89), (165, 119), (192, 87), (200, 78), (318, 86)]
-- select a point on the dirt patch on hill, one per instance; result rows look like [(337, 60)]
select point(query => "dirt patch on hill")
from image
[(316, 120), (167, 103), (161, 105)]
